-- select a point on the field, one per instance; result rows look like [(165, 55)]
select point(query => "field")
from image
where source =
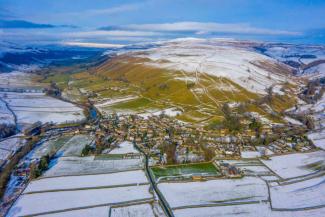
[(74, 146), (186, 169), (20, 80), (250, 154), (50, 147), (299, 164), (33, 107), (11, 143), (6, 116), (140, 210), (90, 165), (4, 155), (213, 192), (38, 203), (88, 181), (318, 139), (133, 211), (303, 194), (252, 167), (124, 148), (102, 211), (246, 210), (9, 146)]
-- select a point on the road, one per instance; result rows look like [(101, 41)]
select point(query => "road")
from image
[(161, 198)]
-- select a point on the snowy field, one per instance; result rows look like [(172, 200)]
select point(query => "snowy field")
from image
[(251, 167), (143, 210), (75, 145), (244, 163), (104, 105), (12, 143), (293, 52), (292, 121), (293, 165), (304, 194), (17, 79), (113, 101), (255, 170), (4, 155), (9, 146), (220, 191), (250, 154), (124, 148), (319, 106), (318, 139), (246, 210), (102, 211), (171, 112), (38, 203), (6, 116), (33, 107), (90, 165), (317, 71), (88, 181), (49, 147)]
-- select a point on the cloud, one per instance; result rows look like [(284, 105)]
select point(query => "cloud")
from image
[(119, 33), (68, 35), (94, 45), (141, 32), (23, 24), (206, 28), (107, 11)]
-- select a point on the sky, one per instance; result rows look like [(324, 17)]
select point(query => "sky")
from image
[(132, 21)]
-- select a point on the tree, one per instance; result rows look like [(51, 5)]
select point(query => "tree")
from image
[(226, 110), (86, 150), (208, 153), (44, 163), (269, 95), (170, 131), (310, 123), (241, 108), (311, 88), (231, 120), (256, 126), (170, 150), (34, 171), (190, 85)]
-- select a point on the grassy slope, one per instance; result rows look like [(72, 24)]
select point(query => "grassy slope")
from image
[(162, 88)]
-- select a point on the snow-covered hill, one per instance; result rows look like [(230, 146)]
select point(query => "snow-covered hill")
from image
[(307, 60), (251, 70), (14, 57)]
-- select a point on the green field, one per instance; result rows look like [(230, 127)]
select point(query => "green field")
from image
[(133, 104), (109, 157), (186, 169)]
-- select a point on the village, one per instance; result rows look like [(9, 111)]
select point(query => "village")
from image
[(170, 141)]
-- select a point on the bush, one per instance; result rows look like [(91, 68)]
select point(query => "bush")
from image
[(86, 150), (190, 85), (44, 163), (163, 86), (7, 130)]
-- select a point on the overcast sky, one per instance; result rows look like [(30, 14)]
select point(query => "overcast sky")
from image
[(111, 21)]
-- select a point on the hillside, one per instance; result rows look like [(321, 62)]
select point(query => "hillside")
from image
[(190, 78)]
